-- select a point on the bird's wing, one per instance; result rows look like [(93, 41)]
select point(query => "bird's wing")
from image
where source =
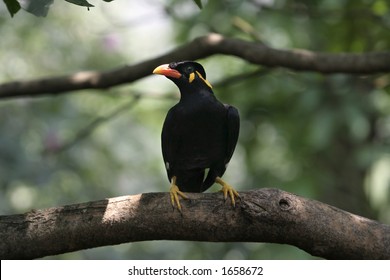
[(168, 141), (233, 125)]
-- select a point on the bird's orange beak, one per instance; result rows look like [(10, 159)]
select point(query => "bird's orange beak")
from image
[(167, 71)]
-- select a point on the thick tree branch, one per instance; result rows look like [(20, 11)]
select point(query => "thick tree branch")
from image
[(264, 215), (253, 52)]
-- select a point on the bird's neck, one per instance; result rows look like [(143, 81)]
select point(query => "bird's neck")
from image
[(195, 95)]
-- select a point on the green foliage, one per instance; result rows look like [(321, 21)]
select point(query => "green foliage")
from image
[(13, 6), (40, 8), (325, 137), (199, 3), (83, 3)]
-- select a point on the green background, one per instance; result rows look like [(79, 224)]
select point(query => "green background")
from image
[(324, 137)]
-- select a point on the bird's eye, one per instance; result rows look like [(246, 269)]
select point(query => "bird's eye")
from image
[(189, 69)]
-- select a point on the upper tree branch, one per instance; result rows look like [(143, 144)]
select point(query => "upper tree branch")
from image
[(264, 215), (256, 53)]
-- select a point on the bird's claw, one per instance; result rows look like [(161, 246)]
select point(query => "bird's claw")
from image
[(228, 189), (175, 193)]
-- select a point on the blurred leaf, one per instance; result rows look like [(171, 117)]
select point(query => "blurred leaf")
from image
[(199, 3), (13, 6), (83, 3), (380, 8), (38, 8)]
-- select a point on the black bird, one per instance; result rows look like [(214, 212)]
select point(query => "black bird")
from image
[(199, 133)]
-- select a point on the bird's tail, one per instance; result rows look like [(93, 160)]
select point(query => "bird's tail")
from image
[(213, 173), (210, 179)]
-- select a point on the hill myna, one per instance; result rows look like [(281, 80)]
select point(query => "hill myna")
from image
[(199, 134)]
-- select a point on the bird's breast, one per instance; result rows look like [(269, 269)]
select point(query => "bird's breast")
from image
[(201, 131)]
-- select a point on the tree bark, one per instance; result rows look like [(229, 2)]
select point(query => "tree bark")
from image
[(263, 215), (253, 52)]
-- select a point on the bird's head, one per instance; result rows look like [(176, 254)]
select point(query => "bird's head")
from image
[(185, 74)]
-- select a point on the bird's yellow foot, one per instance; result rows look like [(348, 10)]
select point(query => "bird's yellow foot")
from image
[(227, 189), (175, 193)]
